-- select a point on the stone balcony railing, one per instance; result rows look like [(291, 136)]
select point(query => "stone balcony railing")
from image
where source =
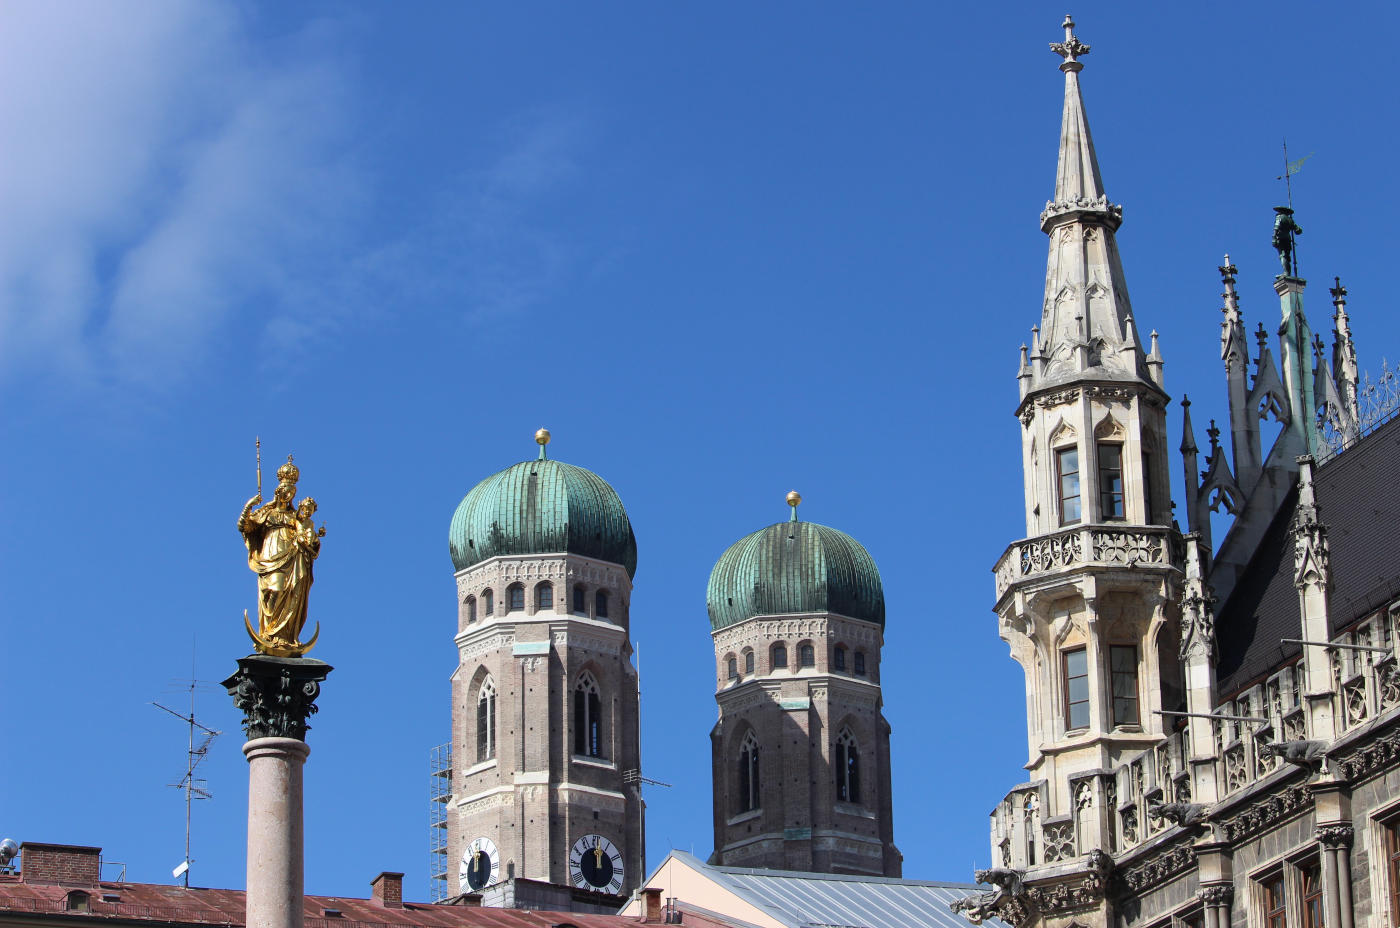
[(1037, 558)]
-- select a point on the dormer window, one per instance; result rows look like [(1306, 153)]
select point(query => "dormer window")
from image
[(77, 901)]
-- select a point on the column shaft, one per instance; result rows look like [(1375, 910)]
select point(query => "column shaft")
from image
[(275, 842)]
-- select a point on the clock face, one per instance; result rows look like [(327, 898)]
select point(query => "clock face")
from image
[(595, 863), (480, 865)]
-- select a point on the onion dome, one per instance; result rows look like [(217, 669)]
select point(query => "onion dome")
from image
[(542, 507), (795, 567)]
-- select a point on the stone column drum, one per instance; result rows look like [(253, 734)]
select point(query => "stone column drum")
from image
[(276, 694)]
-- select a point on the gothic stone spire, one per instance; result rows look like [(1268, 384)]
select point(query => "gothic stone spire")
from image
[(1086, 323)]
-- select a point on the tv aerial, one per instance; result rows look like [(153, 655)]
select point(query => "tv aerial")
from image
[(192, 786)]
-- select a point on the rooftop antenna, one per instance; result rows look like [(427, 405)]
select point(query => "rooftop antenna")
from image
[(194, 754), (634, 776)]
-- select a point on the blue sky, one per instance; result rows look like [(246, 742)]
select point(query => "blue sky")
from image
[(721, 251)]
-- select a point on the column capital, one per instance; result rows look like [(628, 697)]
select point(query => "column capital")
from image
[(1218, 894), (1336, 835), (276, 694)]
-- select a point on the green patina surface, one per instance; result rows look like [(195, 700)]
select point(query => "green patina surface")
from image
[(542, 507), (795, 567)]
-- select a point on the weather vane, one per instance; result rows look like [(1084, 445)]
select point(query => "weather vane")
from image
[(283, 543)]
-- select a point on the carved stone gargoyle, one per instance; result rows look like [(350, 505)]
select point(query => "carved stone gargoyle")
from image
[(1310, 755), (994, 903), (1190, 815)]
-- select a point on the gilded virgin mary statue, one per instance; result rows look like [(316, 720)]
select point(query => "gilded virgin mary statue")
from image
[(283, 543)]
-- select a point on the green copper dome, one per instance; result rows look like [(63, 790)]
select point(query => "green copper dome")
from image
[(542, 507), (795, 567)]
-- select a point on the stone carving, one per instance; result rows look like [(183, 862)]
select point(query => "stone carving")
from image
[(1165, 865), (1128, 547), (1042, 554), (1191, 815), (1217, 894), (1111, 211), (1335, 836), (1388, 683), (1265, 814), (1306, 754), (276, 694), (1059, 841), (1310, 548), (1236, 771), (1130, 826), (1379, 755), (1005, 902)]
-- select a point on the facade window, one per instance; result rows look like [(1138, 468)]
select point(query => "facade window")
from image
[(732, 664), (1392, 868), (1076, 672), (515, 598), (1275, 906), (588, 717), (1147, 485), (486, 721), (779, 655), (600, 604), (544, 596), (1196, 918), (1311, 874), (1067, 474), (748, 662), (1111, 483), (749, 795), (847, 764), (580, 606), (838, 659), (1122, 661), (806, 655), (860, 663), (471, 608), (488, 602)]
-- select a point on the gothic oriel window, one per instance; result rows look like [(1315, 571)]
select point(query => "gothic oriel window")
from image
[(486, 721), (1275, 906), (588, 717), (1111, 482), (544, 596), (1075, 666), (1123, 671), (515, 598), (779, 655), (838, 659), (860, 663), (748, 661), (1311, 878), (806, 655), (847, 766), (749, 794), (488, 601), (600, 604), (580, 605), (1067, 477)]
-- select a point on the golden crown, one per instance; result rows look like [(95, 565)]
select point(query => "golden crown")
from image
[(288, 472)]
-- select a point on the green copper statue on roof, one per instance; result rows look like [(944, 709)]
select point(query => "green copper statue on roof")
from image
[(1286, 230)]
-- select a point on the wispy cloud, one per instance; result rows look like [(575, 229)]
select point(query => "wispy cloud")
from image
[(157, 169)]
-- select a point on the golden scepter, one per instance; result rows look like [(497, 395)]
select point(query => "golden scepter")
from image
[(257, 446)]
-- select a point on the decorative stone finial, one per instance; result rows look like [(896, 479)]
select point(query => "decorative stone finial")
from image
[(542, 439), (1071, 48), (794, 499), (1339, 293)]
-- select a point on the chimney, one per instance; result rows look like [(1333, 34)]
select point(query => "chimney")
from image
[(387, 890), (651, 904), (60, 863)]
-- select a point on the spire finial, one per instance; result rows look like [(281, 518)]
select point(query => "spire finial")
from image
[(542, 439), (1339, 293), (1214, 433), (1071, 48), (794, 499)]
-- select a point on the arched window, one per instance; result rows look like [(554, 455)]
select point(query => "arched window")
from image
[(77, 901), (847, 767), (544, 596), (515, 598), (600, 604), (860, 663), (732, 665), (471, 608), (488, 602), (486, 721), (580, 604), (806, 656), (750, 797), (779, 655), (588, 717), (838, 659), (748, 661)]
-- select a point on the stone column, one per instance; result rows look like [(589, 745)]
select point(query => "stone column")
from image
[(276, 695), (1336, 871), (1217, 898)]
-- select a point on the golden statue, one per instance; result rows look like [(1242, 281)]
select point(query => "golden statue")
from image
[(283, 542)]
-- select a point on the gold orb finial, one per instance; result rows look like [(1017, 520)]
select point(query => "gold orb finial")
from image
[(542, 437), (794, 498)]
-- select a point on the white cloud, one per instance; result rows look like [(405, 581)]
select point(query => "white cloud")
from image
[(157, 168)]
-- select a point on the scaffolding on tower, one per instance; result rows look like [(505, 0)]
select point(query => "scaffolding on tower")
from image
[(439, 792)]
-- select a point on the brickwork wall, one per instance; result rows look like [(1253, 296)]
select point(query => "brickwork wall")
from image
[(60, 863)]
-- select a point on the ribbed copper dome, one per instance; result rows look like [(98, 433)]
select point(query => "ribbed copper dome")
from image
[(795, 567), (542, 507)]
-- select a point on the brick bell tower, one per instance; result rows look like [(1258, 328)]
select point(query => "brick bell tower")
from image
[(1089, 600), (546, 810), (801, 751)]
